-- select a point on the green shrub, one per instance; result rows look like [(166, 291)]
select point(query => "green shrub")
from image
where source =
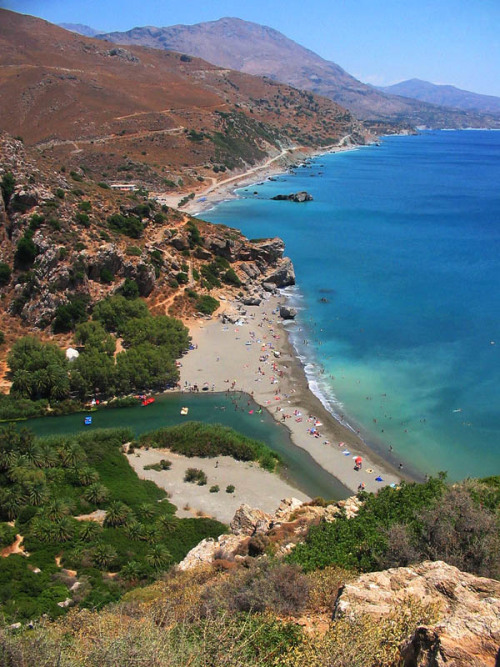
[(60, 193), (7, 185), (182, 278), (85, 206), (195, 475), (206, 304), (5, 274), (134, 251), (83, 219), (231, 278), (129, 225), (26, 252), (106, 276), (215, 488), (230, 488), (76, 176)]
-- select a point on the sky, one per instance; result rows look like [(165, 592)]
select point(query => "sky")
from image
[(378, 41)]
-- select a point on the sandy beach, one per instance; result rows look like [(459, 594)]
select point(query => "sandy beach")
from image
[(256, 357), (253, 485)]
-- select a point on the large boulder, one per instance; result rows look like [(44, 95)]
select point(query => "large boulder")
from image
[(298, 197), (283, 276), (206, 551), (468, 630), (287, 313), (249, 521)]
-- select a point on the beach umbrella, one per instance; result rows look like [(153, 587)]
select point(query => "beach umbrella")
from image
[(358, 460)]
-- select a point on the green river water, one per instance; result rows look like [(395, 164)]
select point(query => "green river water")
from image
[(299, 469)]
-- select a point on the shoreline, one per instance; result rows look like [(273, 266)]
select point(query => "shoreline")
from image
[(224, 190), (259, 359)]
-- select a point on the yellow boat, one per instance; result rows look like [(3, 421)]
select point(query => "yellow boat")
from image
[(184, 411)]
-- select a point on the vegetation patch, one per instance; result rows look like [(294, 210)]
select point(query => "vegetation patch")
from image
[(46, 482), (209, 440)]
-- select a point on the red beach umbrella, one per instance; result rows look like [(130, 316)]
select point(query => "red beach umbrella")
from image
[(358, 459)]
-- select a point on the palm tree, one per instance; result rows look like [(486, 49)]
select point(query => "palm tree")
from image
[(22, 382), (57, 508), (150, 534), (133, 530), (89, 530), (8, 457), (117, 514), (132, 571), (87, 475), (62, 530), (12, 502), (103, 555), (159, 557), (96, 494), (39, 528), (168, 523), (34, 454), (147, 511), (71, 454), (49, 455), (37, 493)]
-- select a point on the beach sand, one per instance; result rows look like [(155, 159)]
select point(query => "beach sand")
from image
[(253, 485), (242, 358)]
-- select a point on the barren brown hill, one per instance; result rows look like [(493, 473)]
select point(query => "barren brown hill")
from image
[(258, 49), (92, 103)]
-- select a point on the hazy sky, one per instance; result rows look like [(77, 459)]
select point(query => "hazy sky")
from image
[(378, 41)]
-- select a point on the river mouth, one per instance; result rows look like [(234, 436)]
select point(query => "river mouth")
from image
[(236, 410)]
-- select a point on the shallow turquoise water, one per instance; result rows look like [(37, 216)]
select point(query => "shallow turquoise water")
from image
[(403, 241), (300, 468)]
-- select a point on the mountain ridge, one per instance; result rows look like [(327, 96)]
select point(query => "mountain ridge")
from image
[(444, 94), (256, 49)]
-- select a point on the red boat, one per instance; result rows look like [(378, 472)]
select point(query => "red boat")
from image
[(149, 400)]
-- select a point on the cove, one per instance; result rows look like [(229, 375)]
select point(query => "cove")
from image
[(299, 468)]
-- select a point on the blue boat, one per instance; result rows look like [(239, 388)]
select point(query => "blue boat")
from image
[(87, 421)]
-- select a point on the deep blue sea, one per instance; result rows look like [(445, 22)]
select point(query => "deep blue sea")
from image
[(397, 262)]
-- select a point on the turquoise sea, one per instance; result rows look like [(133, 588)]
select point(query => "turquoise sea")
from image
[(398, 284)]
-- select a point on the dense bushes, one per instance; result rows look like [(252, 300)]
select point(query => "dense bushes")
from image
[(208, 440), (130, 225), (206, 304), (41, 371), (408, 524)]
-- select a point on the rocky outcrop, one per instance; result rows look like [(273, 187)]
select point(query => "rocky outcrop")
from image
[(468, 630), (298, 197), (283, 276), (290, 522), (287, 313), (248, 521), (207, 550)]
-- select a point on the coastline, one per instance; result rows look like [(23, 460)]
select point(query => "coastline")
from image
[(206, 198), (256, 357)]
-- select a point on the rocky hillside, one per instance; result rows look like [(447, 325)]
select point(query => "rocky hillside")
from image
[(67, 242), (257, 49), (155, 118)]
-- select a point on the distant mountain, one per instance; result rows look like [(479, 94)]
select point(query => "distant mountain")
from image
[(444, 95), (58, 88), (81, 29), (257, 49)]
